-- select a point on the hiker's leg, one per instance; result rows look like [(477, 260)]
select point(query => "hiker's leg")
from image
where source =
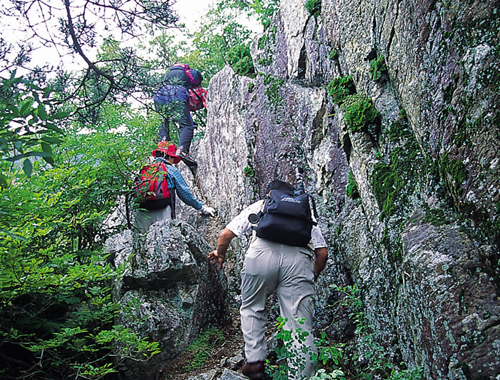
[(258, 279), (295, 292), (187, 129), (164, 132)]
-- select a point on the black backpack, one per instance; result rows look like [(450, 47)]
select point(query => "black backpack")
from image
[(286, 218)]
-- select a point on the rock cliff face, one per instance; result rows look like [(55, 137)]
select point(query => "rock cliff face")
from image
[(409, 198)]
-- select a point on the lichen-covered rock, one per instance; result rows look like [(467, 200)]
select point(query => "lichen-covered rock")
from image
[(447, 303), (169, 291), (420, 236)]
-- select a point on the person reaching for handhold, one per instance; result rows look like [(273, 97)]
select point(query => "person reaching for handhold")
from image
[(157, 186)]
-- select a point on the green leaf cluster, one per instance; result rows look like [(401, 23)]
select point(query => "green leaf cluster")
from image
[(359, 111), (240, 59), (221, 40), (352, 187), (28, 125), (55, 282), (340, 88), (292, 351), (313, 7), (377, 67)]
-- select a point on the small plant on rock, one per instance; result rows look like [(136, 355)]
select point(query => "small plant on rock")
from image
[(240, 60), (340, 88), (248, 171), (359, 112), (292, 353), (313, 7), (352, 188), (377, 67)]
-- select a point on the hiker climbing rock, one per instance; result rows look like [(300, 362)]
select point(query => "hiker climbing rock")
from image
[(181, 89), (157, 185), (270, 264)]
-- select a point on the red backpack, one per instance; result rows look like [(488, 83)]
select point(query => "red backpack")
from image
[(152, 186), (197, 98)]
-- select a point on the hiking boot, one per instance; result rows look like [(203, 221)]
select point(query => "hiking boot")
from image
[(254, 371), (185, 156)]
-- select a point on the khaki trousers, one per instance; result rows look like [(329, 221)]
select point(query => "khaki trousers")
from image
[(144, 219), (270, 266)]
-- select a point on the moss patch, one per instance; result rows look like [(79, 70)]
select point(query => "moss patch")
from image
[(272, 90), (352, 187), (394, 181), (313, 7), (453, 173), (359, 112)]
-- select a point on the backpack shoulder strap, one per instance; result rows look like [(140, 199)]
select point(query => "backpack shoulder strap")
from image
[(313, 206)]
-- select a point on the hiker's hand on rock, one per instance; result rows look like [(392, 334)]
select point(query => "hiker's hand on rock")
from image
[(216, 259), (208, 211)]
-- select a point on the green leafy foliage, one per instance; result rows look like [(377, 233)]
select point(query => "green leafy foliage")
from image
[(377, 67), (272, 90), (292, 351), (265, 10), (201, 348), (359, 112), (221, 40), (341, 87), (28, 124), (333, 54), (240, 59), (248, 171), (313, 7), (55, 283)]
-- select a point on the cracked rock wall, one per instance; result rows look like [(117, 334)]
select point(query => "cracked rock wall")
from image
[(421, 238)]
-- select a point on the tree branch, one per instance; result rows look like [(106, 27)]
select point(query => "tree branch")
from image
[(80, 50)]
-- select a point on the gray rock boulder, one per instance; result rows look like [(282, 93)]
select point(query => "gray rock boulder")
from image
[(169, 291)]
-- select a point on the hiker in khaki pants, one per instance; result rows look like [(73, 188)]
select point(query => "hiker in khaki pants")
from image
[(270, 266)]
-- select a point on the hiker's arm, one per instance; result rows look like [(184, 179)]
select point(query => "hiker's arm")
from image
[(320, 256), (182, 188), (219, 255)]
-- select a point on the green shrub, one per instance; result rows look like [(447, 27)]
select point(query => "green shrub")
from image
[(333, 54), (340, 88), (240, 59), (272, 90), (290, 353), (313, 7), (359, 112)]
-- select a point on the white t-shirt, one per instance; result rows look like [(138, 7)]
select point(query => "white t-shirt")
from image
[(240, 224)]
